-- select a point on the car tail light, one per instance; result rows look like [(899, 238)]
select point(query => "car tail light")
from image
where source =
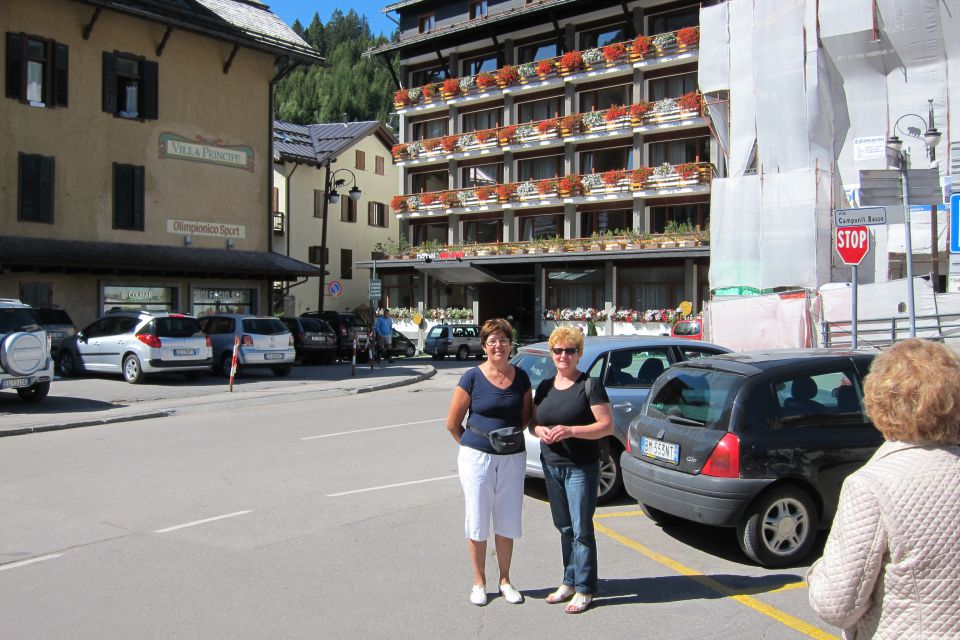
[(149, 339), (290, 341), (627, 444), (724, 462), (209, 341), (49, 343), (343, 331), (247, 341), (175, 315)]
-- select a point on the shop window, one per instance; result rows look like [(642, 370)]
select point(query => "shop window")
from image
[(207, 301), (649, 287), (478, 9), (426, 23), (127, 197), (482, 174), (673, 20), (130, 86), (361, 160), (123, 298), (35, 191), (671, 86), (429, 181), (482, 231), (346, 264), (378, 165), (600, 160), (429, 231), (36, 70), (488, 64), (677, 151), (537, 51), (539, 110), (480, 120), (572, 288), (348, 209), (426, 129), (680, 215), (377, 215), (540, 168), (602, 37), (545, 226), (600, 99), (600, 222)]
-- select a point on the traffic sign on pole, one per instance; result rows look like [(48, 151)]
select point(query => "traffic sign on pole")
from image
[(853, 243), (955, 223)]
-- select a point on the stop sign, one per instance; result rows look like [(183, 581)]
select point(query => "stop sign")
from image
[(852, 244)]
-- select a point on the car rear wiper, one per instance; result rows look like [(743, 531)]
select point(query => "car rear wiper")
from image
[(682, 420)]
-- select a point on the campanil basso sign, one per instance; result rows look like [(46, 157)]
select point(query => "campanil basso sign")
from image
[(176, 147)]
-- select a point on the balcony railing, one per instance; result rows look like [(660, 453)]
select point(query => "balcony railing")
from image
[(642, 48), (646, 181), (640, 114)]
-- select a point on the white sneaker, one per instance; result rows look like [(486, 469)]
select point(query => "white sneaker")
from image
[(510, 594), (478, 595)]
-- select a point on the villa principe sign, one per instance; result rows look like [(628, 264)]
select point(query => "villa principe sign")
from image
[(175, 147)]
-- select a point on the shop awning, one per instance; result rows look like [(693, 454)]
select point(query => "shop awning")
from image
[(76, 256)]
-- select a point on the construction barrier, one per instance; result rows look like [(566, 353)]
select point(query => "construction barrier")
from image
[(233, 362)]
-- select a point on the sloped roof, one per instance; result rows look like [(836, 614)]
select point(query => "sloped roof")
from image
[(245, 22), (315, 143)]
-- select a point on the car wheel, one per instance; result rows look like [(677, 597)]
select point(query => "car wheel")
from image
[(661, 518), (133, 370), (611, 478), (779, 528), (34, 393), (68, 364), (463, 352), (411, 351), (226, 362), (193, 376), (282, 371)]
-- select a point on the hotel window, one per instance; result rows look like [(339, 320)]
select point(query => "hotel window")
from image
[(378, 165), (600, 160), (694, 215), (361, 160), (128, 197), (671, 86), (572, 288), (602, 37), (429, 231), (482, 231), (421, 77), (601, 99), (481, 175), (600, 222), (35, 196), (649, 287), (473, 66), (130, 86), (346, 264), (663, 22), (36, 70), (429, 181), (480, 120), (545, 226), (426, 23), (677, 151), (537, 51), (429, 129), (377, 215), (539, 110), (540, 168), (478, 9)]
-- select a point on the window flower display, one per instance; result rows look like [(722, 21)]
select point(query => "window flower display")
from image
[(592, 57), (614, 52), (526, 189), (593, 119), (485, 80)]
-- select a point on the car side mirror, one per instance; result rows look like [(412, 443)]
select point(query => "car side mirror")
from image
[(81, 336)]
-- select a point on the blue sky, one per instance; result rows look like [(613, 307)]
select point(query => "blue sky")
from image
[(303, 10)]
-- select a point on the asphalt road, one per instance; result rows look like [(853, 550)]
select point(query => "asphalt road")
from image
[(327, 518)]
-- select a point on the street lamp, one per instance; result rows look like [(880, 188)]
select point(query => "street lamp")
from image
[(330, 196), (899, 158)]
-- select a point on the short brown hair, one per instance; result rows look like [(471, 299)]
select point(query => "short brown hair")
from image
[(912, 393), (567, 335), (494, 325)]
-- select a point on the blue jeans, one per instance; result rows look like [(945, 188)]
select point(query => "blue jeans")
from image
[(573, 500)]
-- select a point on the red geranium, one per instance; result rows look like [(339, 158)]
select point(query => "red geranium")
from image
[(615, 113), (398, 203), (449, 143), (613, 177), (641, 175), (689, 101), (641, 45), (507, 76), (571, 60), (505, 191), (688, 36), (546, 126), (613, 52), (546, 186), (640, 109), (451, 86), (544, 67), (484, 193), (485, 80), (507, 133), (402, 97), (428, 199), (686, 170)]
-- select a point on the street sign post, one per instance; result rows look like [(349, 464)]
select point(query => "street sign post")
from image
[(860, 216), (954, 223), (853, 243), (376, 289)]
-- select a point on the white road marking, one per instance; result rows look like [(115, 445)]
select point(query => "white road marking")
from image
[(23, 563), (204, 521), (389, 426), (390, 486)]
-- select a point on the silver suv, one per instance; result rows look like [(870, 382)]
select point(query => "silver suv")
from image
[(461, 340), (25, 362), (137, 343)]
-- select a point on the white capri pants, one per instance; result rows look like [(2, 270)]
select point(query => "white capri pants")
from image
[(492, 486)]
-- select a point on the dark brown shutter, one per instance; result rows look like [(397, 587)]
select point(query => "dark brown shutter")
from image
[(344, 208), (151, 90), (137, 175), (36, 188), (361, 160), (15, 58), (318, 203), (276, 199), (372, 214), (61, 64), (109, 83), (386, 217)]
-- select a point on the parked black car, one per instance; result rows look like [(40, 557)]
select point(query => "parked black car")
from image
[(314, 339), (348, 326), (58, 325), (757, 441), (401, 345)]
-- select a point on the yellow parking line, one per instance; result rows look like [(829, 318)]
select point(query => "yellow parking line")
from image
[(718, 587), (618, 514)]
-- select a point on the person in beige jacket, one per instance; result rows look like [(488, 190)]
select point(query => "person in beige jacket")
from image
[(891, 566)]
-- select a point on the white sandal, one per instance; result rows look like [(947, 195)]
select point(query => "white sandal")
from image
[(562, 594), (478, 595), (510, 594)]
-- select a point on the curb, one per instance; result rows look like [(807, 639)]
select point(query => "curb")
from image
[(397, 383), (87, 423)]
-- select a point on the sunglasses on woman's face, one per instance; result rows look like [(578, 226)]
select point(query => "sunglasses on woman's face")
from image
[(561, 350)]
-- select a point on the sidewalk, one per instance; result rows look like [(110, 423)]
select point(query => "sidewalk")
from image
[(60, 410)]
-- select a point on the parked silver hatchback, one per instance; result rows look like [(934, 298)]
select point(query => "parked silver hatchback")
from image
[(136, 344), (264, 342), (461, 340)]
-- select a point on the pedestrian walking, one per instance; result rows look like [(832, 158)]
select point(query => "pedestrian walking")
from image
[(571, 414), (383, 330), (891, 566), (496, 400)]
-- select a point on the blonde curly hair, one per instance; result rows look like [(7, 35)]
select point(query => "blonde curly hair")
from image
[(566, 335), (912, 393)]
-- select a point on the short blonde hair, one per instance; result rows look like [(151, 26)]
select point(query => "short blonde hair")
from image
[(912, 393), (566, 335)]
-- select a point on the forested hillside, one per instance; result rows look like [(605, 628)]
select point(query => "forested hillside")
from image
[(349, 86)]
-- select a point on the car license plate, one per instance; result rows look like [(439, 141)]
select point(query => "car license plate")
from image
[(661, 450), (184, 352), (16, 383), (273, 356), (57, 334)]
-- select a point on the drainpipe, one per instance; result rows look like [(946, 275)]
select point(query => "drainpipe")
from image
[(287, 67)]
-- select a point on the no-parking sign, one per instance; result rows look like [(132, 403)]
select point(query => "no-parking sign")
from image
[(335, 288)]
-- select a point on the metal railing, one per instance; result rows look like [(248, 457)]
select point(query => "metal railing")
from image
[(884, 332)]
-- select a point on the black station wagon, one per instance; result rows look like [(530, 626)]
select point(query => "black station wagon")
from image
[(757, 441)]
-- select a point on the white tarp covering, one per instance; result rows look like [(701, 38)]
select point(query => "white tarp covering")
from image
[(788, 233), (758, 322), (735, 235), (743, 121), (713, 72)]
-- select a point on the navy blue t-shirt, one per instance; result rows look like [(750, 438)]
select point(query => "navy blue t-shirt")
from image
[(492, 407)]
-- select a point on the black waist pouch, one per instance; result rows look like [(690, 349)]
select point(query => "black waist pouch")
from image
[(503, 441)]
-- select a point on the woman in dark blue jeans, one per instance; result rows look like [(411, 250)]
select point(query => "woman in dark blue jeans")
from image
[(570, 417)]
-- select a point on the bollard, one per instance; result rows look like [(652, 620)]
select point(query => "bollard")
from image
[(353, 358), (233, 361), (370, 350)]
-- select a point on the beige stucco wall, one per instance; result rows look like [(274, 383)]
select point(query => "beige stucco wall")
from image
[(305, 230), (196, 99)]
